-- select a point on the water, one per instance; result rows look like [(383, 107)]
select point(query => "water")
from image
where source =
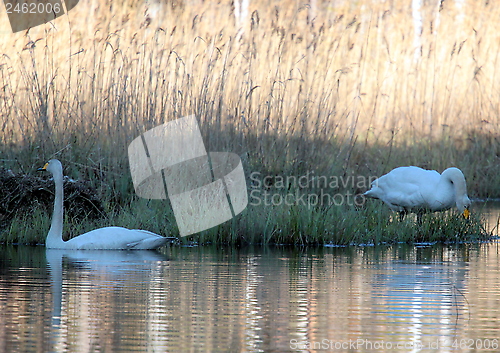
[(180, 299)]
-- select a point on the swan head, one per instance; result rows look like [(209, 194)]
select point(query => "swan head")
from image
[(53, 166), (457, 179), (463, 205)]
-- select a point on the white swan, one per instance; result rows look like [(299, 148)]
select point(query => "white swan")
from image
[(108, 238), (413, 189)]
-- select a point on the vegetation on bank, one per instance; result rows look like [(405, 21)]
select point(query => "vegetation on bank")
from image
[(336, 226), (336, 93), (284, 218)]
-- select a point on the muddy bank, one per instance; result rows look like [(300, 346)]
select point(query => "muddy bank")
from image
[(22, 194)]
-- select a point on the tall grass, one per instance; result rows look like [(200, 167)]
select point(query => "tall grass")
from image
[(334, 89)]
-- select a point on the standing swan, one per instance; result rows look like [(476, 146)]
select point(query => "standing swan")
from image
[(108, 238), (413, 189)]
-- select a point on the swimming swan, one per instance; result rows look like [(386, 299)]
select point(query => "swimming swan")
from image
[(108, 238), (413, 189)]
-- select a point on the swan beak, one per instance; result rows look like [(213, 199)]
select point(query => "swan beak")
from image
[(466, 213), (43, 168)]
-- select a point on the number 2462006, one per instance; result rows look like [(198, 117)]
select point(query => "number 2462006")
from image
[(33, 8), (476, 343)]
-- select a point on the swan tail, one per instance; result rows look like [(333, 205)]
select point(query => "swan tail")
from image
[(371, 193)]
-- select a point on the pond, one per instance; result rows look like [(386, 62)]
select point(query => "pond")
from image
[(255, 299)]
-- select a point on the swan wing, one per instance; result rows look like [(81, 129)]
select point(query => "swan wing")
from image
[(405, 188), (411, 175), (409, 197), (147, 240), (116, 238)]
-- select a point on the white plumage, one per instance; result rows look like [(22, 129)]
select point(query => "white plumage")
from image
[(413, 189), (107, 238)]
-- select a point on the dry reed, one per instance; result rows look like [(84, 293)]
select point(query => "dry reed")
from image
[(332, 88)]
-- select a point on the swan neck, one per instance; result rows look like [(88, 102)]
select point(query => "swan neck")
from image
[(457, 179), (54, 238)]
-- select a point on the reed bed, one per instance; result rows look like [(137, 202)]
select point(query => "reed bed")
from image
[(295, 88)]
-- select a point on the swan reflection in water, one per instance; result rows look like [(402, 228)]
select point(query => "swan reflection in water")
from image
[(87, 282)]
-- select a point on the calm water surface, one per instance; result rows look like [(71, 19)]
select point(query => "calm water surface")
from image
[(366, 299)]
